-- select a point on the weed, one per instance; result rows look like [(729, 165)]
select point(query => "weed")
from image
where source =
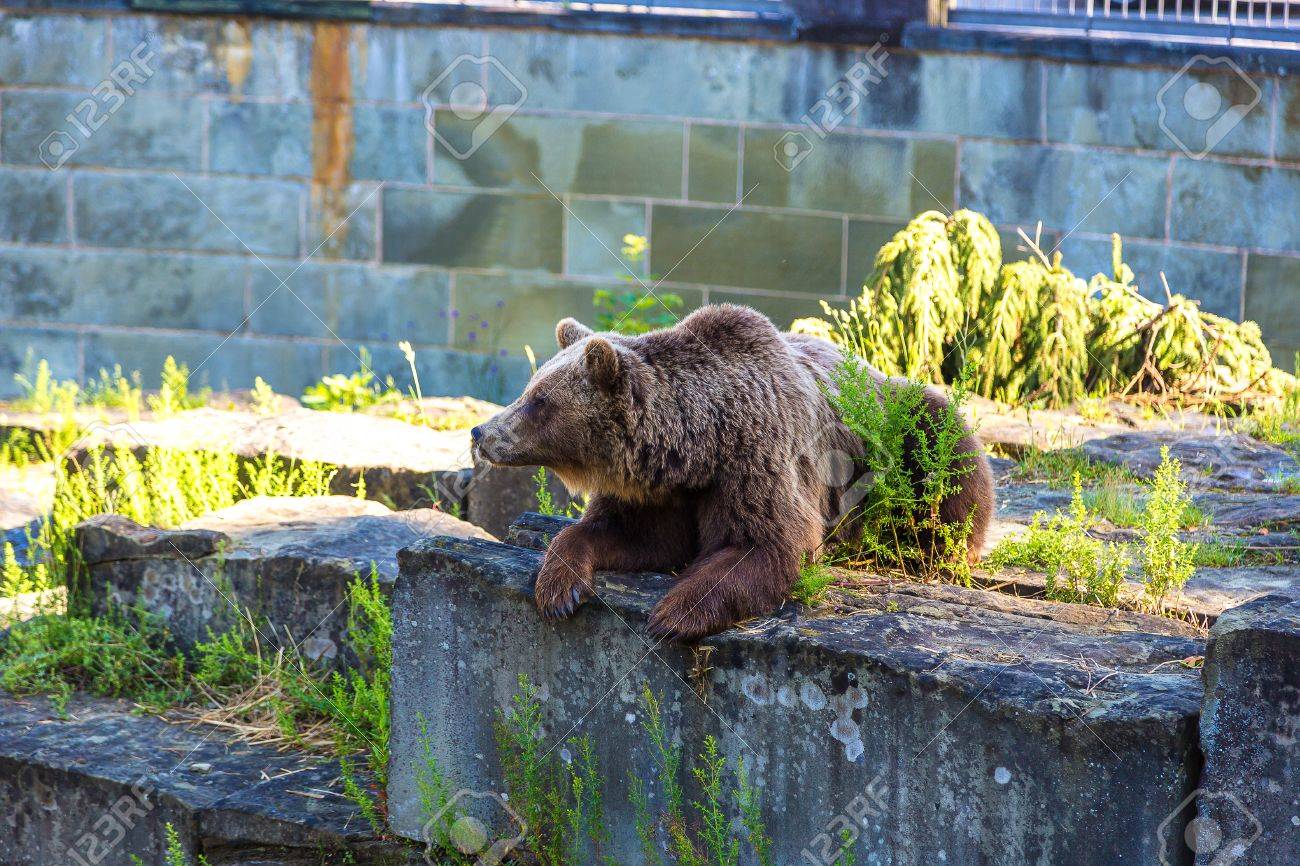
[(633, 312), (814, 579), (558, 801), (265, 400), (1127, 507), (846, 857), (1078, 568), (42, 393), (1220, 554), (1167, 562), (545, 502), (1278, 422), (116, 390), (174, 390), (916, 465), (351, 392)]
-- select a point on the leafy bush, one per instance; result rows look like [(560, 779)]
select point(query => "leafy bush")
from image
[(941, 297), (635, 311), (914, 465), (1167, 562)]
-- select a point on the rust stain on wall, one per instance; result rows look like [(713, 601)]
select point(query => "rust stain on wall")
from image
[(235, 53), (332, 138)]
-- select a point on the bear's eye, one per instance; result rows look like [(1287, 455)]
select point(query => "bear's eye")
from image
[(536, 403)]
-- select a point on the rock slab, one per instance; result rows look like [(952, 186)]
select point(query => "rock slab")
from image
[(946, 724), (1248, 801), (99, 786), (287, 559)]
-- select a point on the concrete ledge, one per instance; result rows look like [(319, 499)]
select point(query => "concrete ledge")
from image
[(99, 786), (971, 719), (1249, 796)]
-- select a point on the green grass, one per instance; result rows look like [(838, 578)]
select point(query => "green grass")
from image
[(813, 582), (1127, 506), (1057, 468)]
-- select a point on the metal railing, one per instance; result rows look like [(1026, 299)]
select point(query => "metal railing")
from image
[(1218, 20), (760, 9)]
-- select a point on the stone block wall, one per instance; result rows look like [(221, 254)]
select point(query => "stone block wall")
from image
[(254, 144)]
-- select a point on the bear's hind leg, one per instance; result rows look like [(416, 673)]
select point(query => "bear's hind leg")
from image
[(723, 588)]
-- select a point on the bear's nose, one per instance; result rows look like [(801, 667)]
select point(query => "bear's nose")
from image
[(476, 433)]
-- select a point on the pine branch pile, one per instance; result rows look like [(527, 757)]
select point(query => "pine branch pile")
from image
[(940, 297)]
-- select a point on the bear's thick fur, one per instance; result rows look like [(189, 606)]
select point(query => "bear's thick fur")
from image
[(702, 449)]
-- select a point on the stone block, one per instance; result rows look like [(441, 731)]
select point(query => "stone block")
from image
[(159, 212), (1254, 206), (261, 138), (978, 703), (961, 94), (522, 232), (1249, 795), (1209, 276), (342, 222), (286, 561), (99, 783), (565, 154), (781, 309), (750, 249), (1066, 189), (494, 377), (214, 360), (146, 130), (390, 143), (134, 289), (237, 56), (593, 235), (21, 347), (713, 159), (53, 50), (1273, 300), (850, 173), (1288, 116), (1122, 106), (33, 206), (397, 64), (352, 302), (866, 237)]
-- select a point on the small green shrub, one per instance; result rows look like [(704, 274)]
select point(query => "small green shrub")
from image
[(1078, 568), (1167, 561), (351, 392), (900, 519), (174, 391), (42, 393)]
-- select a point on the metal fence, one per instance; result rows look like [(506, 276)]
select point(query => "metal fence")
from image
[(761, 9), (1219, 20)]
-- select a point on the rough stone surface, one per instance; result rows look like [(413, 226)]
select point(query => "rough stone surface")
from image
[(952, 721), (404, 465), (99, 785), (1225, 460), (1248, 801), (289, 560)]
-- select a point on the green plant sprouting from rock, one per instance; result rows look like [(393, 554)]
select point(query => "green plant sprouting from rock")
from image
[(913, 464), (941, 297)]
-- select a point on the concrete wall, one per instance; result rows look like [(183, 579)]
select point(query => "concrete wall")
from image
[(256, 142)]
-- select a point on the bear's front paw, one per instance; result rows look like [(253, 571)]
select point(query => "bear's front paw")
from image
[(690, 611), (561, 586)]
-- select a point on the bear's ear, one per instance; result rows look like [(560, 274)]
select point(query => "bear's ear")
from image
[(570, 331), (601, 361)]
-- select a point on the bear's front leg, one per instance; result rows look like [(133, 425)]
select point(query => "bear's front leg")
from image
[(565, 578), (723, 588), (611, 535)]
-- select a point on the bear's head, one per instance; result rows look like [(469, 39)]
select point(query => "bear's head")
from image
[(573, 416)]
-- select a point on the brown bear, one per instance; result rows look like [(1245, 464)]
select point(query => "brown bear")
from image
[(700, 449)]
